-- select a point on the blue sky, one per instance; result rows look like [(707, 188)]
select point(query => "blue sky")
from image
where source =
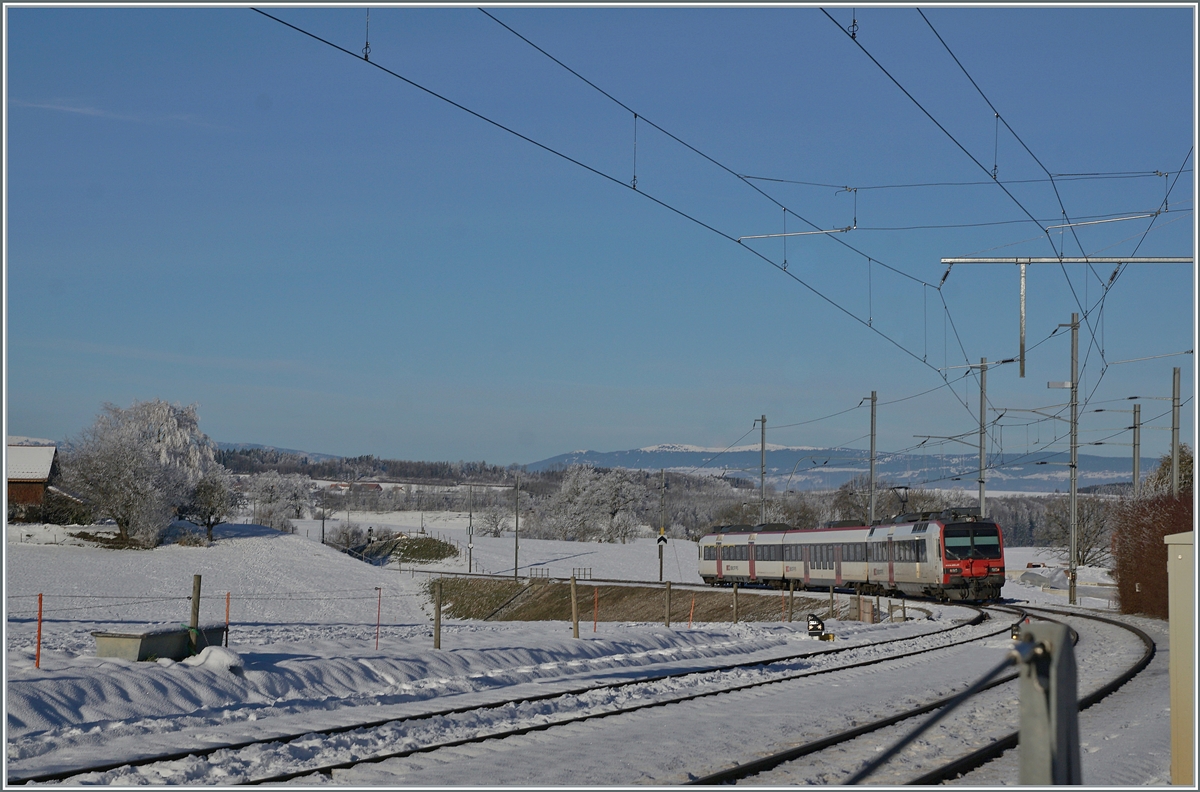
[(206, 206)]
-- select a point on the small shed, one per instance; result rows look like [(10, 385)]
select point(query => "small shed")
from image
[(29, 469)]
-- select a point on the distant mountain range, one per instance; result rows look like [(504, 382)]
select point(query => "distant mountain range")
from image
[(810, 468), (807, 468)]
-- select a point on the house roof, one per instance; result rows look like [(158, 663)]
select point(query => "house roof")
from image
[(30, 463)]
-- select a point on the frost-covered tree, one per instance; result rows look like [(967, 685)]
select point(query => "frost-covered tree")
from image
[(213, 499), (1159, 480), (276, 499), (139, 465), (591, 505)]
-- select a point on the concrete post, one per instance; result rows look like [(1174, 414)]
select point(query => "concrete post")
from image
[(1181, 576), (1049, 705)]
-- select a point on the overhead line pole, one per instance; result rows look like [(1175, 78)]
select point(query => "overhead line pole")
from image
[(982, 435), (1175, 434), (1074, 463), (1023, 262), (1137, 447), (871, 483), (1074, 452), (762, 476)]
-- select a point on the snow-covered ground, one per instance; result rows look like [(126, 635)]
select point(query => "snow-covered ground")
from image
[(303, 633)]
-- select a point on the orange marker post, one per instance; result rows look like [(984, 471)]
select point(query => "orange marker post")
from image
[(595, 606), (692, 611)]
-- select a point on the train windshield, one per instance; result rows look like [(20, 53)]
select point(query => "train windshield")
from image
[(972, 540)]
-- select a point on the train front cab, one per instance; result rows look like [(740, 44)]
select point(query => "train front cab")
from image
[(972, 560)]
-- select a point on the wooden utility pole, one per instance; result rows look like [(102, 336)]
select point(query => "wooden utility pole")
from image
[(667, 617), (574, 610), (437, 614)]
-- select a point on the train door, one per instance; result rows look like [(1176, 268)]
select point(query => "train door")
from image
[(837, 564), (891, 563), (805, 549), (720, 564), (750, 554)]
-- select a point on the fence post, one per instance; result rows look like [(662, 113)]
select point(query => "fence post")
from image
[(595, 607), (37, 657), (735, 604), (227, 595), (378, 614), (692, 612), (1049, 708), (903, 610), (437, 614), (195, 622), (667, 617), (791, 599), (574, 610), (832, 615)]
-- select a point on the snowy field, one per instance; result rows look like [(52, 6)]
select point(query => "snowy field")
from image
[(304, 630)]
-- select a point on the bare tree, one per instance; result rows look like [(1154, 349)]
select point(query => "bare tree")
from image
[(139, 465), (495, 520), (1093, 535)]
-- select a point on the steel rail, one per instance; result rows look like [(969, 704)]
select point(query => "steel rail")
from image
[(329, 769), (986, 754), (287, 738), (959, 766), (732, 775)]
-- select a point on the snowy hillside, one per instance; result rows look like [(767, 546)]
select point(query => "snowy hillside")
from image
[(302, 643)]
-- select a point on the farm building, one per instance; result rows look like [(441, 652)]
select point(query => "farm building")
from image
[(28, 473)]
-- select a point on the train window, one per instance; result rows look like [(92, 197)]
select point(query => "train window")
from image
[(958, 543), (986, 541), (922, 552)]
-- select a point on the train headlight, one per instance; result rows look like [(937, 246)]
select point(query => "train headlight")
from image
[(953, 571), (997, 570)]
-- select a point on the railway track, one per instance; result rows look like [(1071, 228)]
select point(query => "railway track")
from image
[(251, 761), (784, 767)]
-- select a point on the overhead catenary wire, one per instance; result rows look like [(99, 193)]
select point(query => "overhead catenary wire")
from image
[(936, 123), (816, 292), (692, 148), (1058, 196), (988, 183)]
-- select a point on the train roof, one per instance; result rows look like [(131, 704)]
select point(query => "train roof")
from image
[(951, 514)]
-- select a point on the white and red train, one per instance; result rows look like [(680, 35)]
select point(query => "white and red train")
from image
[(950, 555)]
